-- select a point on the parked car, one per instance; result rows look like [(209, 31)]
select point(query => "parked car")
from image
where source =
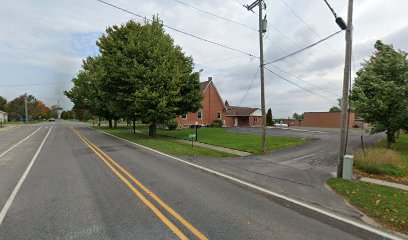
[(281, 125), (51, 120)]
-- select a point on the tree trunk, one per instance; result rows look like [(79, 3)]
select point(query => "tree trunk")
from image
[(99, 121), (152, 130), (115, 123), (390, 139), (134, 126), (110, 122)]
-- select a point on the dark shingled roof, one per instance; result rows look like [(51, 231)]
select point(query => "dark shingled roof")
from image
[(203, 85), (240, 111)]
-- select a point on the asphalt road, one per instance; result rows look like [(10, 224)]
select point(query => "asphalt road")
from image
[(87, 185)]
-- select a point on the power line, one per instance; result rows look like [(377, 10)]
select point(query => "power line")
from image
[(221, 60), (177, 30), (310, 28), (32, 84), (303, 49), (302, 80), (249, 86), (215, 15), (293, 83)]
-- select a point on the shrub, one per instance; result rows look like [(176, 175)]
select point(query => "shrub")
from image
[(172, 124), (217, 123), (379, 161)]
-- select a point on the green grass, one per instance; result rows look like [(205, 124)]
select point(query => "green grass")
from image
[(164, 144), (388, 206), (244, 142), (20, 122), (383, 163)]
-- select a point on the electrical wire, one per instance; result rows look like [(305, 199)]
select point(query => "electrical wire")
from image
[(310, 28), (303, 49), (217, 16), (177, 30), (32, 84), (249, 86), (300, 79), (221, 60), (295, 84)]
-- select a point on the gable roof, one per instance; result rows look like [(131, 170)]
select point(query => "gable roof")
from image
[(240, 111), (204, 85)]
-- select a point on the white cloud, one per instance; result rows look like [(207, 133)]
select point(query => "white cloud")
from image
[(54, 35)]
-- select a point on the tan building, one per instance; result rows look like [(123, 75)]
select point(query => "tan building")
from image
[(325, 119)]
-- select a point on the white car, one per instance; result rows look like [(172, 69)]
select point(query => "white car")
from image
[(281, 125)]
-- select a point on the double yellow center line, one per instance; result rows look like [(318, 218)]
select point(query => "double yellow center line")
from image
[(120, 172)]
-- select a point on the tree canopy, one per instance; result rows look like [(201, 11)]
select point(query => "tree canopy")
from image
[(36, 109), (380, 90), (139, 74)]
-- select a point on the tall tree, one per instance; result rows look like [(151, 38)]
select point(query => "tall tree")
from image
[(298, 116), (380, 91), (15, 107), (148, 76), (269, 120), (3, 103), (334, 109)]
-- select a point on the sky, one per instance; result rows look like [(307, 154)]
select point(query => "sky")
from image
[(42, 44)]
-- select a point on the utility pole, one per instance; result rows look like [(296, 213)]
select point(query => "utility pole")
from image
[(262, 29), (26, 110), (346, 80)]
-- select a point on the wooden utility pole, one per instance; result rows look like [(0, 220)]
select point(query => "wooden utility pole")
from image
[(261, 58), (346, 80)]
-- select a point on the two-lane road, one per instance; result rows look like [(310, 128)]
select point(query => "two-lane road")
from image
[(87, 185)]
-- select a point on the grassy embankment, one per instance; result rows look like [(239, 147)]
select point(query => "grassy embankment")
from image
[(386, 205), (244, 142), (164, 144)]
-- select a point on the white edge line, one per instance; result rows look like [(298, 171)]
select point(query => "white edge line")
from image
[(15, 145), (261, 189), (20, 182)]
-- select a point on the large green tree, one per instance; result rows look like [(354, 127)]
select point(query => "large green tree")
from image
[(380, 90), (3, 103), (147, 77)]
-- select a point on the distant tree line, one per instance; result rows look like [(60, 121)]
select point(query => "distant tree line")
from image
[(139, 74), (36, 108)]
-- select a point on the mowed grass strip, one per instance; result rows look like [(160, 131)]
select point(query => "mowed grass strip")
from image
[(164, 144), (243, 142), (389, 206)]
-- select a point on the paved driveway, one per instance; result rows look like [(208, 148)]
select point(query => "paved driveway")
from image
[(299, 172)]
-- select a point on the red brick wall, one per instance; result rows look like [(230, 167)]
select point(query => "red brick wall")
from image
[(211, 105), (252, 122), (325, 119), (229, 121), (293, 122)]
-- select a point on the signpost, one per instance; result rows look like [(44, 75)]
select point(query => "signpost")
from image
[(192, 137)]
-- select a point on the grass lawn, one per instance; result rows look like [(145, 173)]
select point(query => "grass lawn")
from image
[(20, 122), (164, 144), (387, 205), (386, 164), (243, 142)]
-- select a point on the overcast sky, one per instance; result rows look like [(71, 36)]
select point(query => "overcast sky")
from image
[(42, 44)]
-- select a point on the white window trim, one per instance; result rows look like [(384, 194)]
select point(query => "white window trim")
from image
[(219, 118), (200, 118), (183, 117)]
